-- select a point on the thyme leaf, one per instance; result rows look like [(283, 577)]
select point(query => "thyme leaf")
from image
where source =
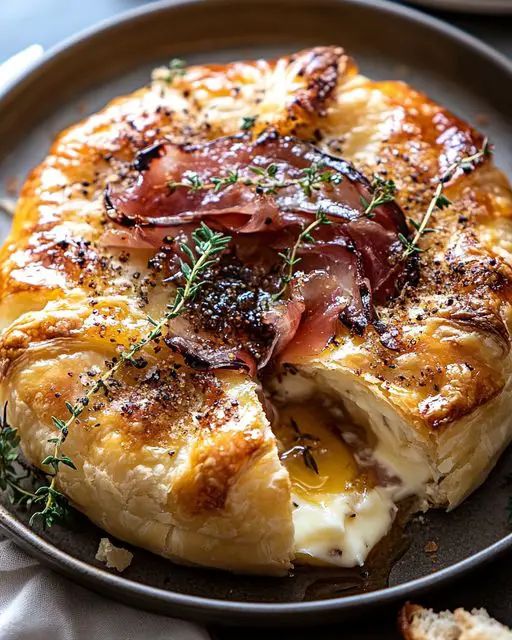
[(168, 74), (176, 69)]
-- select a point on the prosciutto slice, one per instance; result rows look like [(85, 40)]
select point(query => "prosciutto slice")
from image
[(263, 192)]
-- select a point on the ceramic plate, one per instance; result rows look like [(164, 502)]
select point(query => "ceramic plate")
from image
[(388, 41)]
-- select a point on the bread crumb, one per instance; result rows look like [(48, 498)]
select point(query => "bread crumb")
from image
[(114, 557), (417, 623), (431, 546)]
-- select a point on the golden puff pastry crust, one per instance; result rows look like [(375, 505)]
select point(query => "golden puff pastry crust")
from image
[(180, 462), (185, 463), (442, 383)]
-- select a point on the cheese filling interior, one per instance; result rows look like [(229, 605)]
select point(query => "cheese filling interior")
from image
[(346, 482)]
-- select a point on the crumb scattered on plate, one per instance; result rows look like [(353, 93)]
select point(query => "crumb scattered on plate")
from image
[(114, 557), (431, 546)]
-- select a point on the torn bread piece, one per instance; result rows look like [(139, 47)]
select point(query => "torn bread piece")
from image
[(114, 557), (417, 623)]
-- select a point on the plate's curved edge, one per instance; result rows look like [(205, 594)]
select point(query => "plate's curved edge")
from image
[(231, 612), (411, 13), (214, 610)]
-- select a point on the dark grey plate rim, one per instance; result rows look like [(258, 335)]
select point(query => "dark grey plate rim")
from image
[(189, 605), (383, 6), (203, 608)]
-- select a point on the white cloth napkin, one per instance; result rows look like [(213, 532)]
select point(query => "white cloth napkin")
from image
[(37, 604)]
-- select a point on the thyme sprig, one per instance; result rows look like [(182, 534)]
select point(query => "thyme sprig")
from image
[(16, 483), (439, 200), (304, 443), (383, 191), (290, 257), (248, 123), (168, 74), (207, 245), (265, 181)]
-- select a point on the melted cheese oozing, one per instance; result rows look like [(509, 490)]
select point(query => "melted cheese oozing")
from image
[(339, 513)]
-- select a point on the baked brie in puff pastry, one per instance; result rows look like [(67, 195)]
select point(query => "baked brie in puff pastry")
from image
[(318, 378)]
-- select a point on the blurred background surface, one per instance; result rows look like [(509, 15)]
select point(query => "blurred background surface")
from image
[(24, 22)]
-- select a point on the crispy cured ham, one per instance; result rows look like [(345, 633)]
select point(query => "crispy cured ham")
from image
[(270, 189)]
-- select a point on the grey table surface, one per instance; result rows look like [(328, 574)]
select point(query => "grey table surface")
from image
[(25, 22)]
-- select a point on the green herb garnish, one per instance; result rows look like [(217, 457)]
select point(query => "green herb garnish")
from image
[(439, 200), (248, 123), (265, 181), (174, 69), (383, 191), (16, 483), (290, 258)]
